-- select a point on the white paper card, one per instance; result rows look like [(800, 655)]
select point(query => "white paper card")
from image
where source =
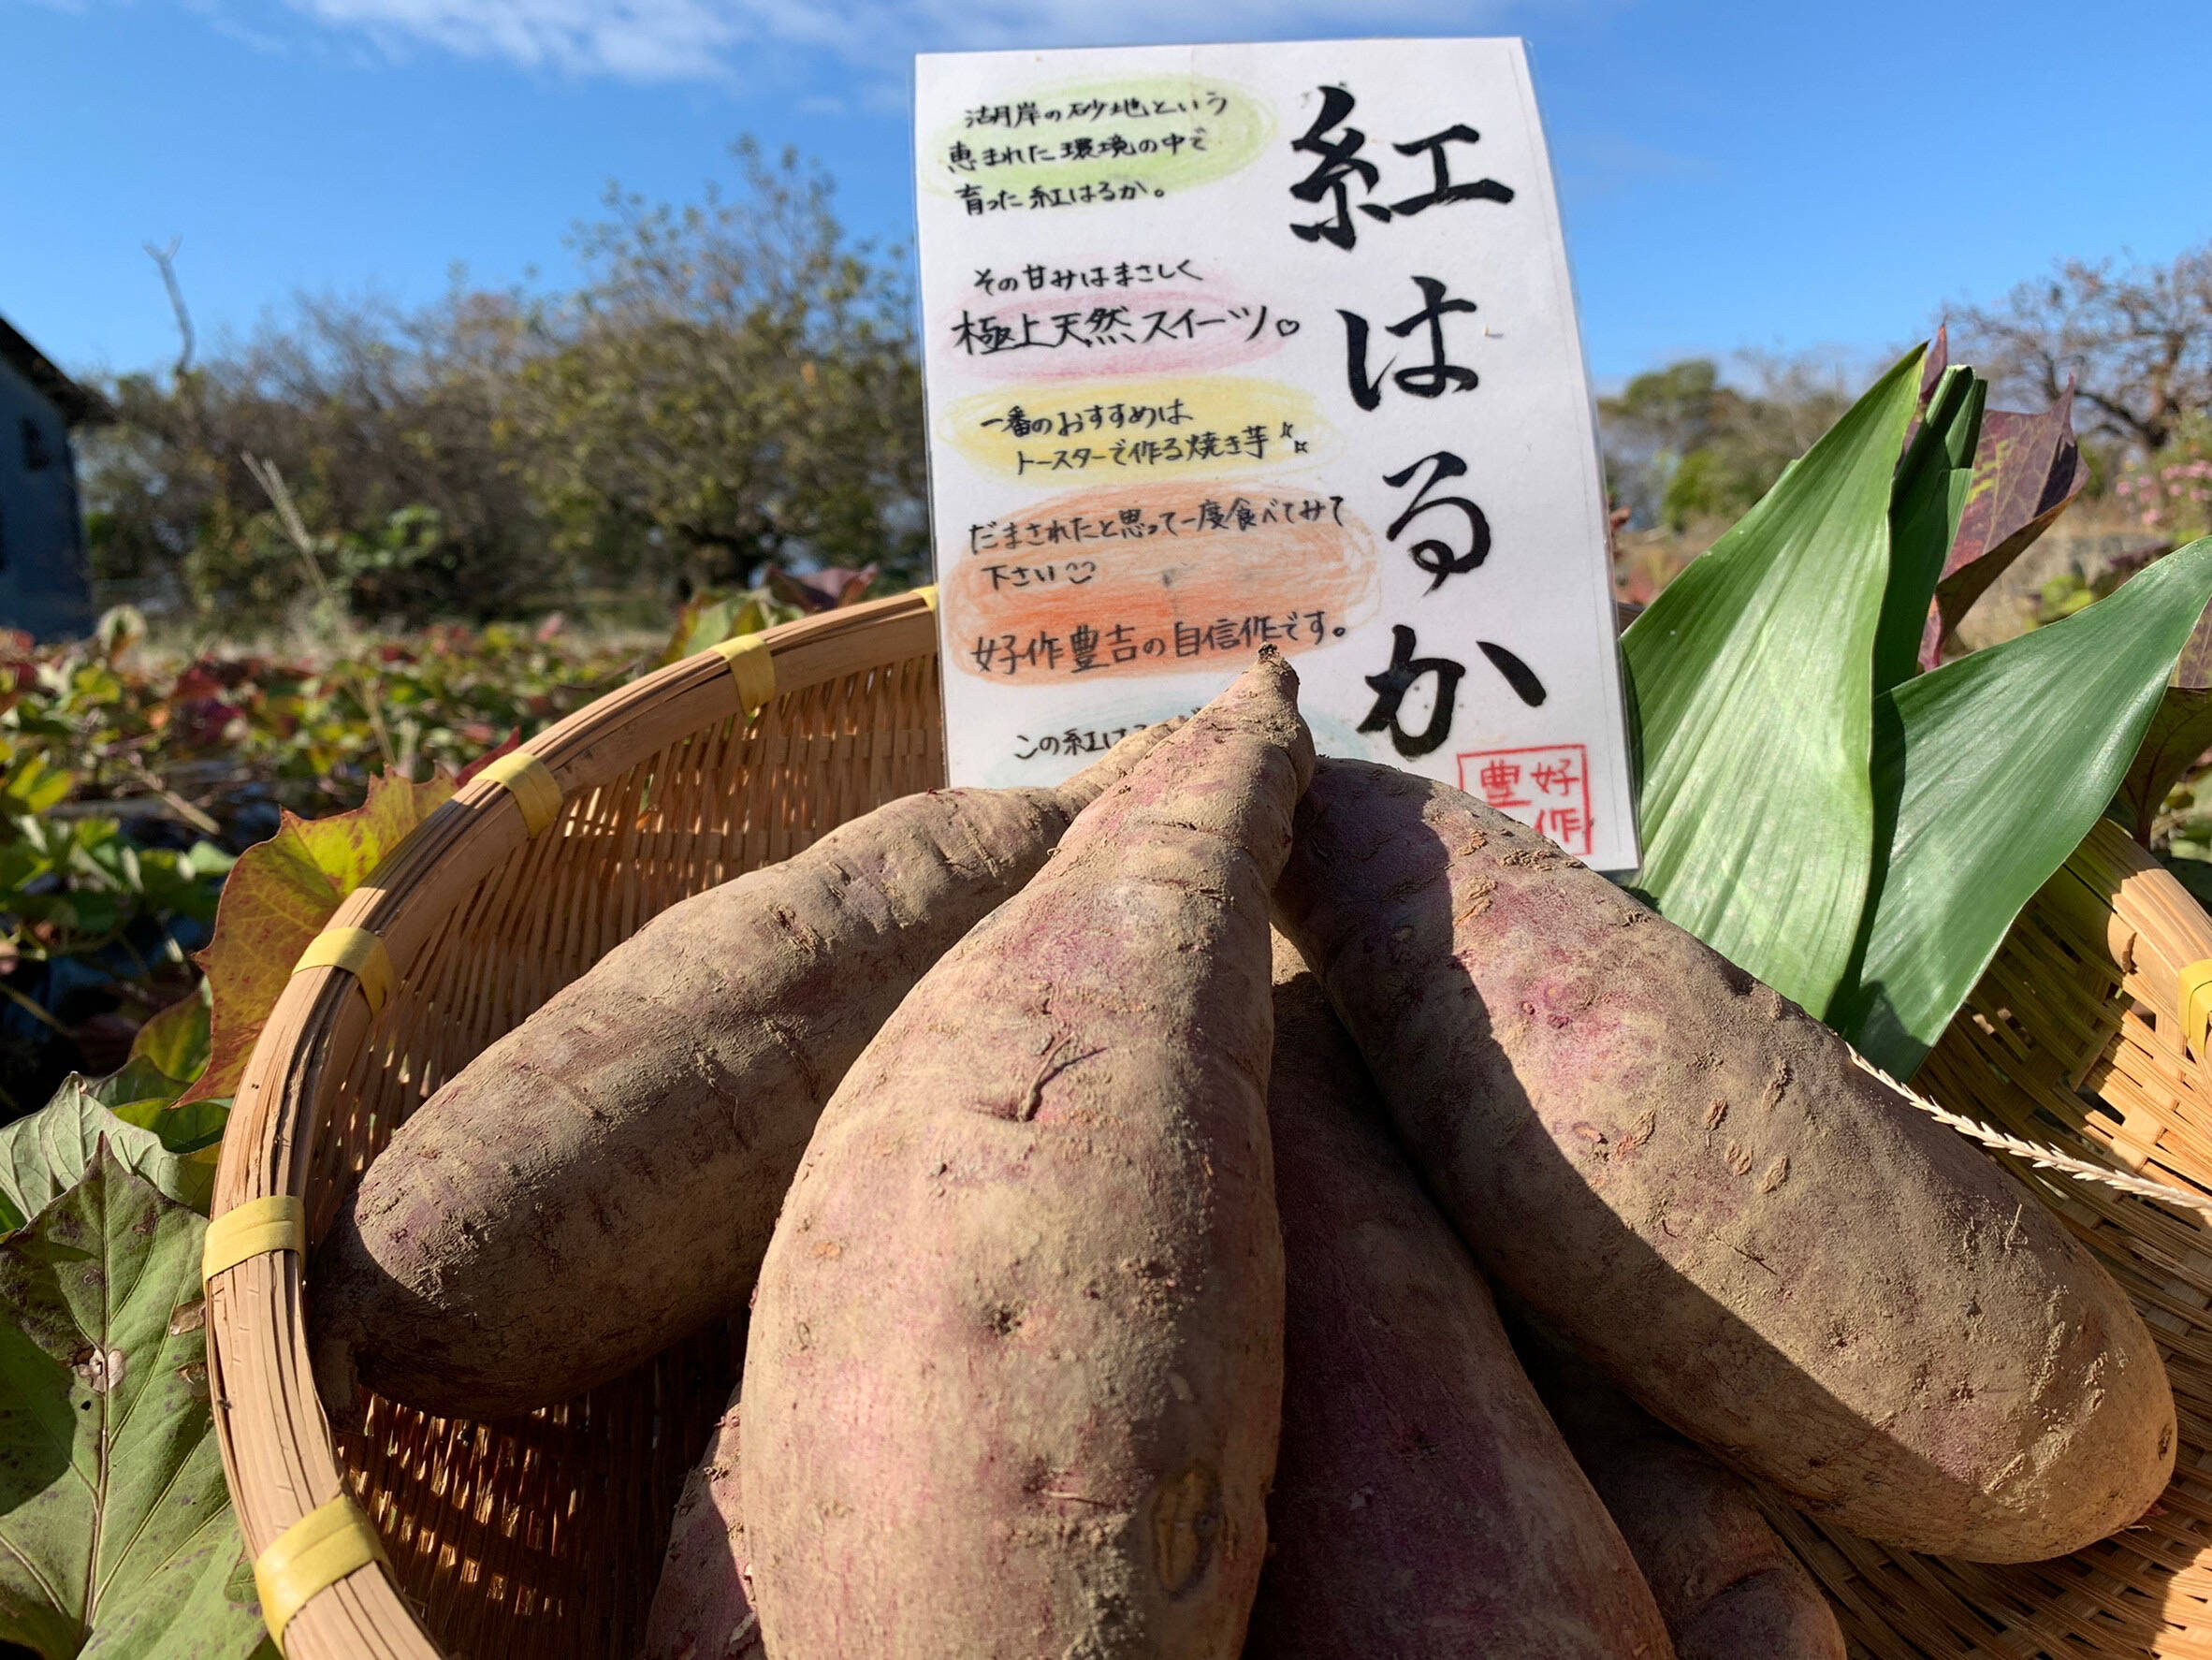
[(1231, 345)]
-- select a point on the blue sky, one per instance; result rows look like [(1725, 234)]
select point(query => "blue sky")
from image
[(1784, 175)]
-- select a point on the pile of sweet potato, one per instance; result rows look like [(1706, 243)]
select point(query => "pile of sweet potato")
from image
[(1121, 1269)]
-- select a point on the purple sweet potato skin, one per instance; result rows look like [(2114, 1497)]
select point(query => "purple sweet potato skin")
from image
[(701, 1608), (1727, 1587), (1424, 1505), (1014, 1371), (604, 1179), (1687, 1178)]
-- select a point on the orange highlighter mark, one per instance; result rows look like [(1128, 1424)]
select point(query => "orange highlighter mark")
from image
[(1158, 579)]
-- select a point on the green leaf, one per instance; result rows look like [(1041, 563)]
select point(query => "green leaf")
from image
[(2179, 731), (1992, 770), (194, 1127), (32, 785), (707, 619), (1925, 503), (116, 1536), (176, 1038), (1752, 680), (43, 1156)]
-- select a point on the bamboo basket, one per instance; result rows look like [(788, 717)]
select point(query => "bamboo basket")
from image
[(540, 1537)]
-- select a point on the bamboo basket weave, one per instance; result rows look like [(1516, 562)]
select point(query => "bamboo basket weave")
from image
[(539, 1538)]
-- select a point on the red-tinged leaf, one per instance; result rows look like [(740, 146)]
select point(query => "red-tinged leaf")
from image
[(2180, 732), (278, 899), (2026, 469), (513, 742), (2194, 669), (829, 589)]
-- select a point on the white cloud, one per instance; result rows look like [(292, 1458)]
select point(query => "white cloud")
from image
[(635, 40), (650, 40)]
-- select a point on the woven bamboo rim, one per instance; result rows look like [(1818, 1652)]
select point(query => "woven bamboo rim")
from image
[(540, 1537)]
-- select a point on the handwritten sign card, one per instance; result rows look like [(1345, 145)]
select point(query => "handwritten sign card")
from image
[(1237, 345)]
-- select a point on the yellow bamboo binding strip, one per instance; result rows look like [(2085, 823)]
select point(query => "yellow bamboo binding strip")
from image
[(309, 1557), (927, 595), (254, 1229), (360, 954), (2197, 1006), (753, 665), (525, 777)]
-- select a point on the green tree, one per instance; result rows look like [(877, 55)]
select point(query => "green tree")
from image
[(391, 426), (1682, 447), (734, 385)]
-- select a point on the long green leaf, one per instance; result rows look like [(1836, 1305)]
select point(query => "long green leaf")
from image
[(1753, 682), (1931, 494), (1992, 770)]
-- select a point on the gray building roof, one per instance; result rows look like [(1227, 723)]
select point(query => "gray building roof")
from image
[(81, 406)]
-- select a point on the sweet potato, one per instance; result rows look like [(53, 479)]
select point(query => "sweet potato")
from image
[(701, 1608), (1424, 1506), (1015, 1370), (604, 1178), (1727, 1586), (1688, 1179)]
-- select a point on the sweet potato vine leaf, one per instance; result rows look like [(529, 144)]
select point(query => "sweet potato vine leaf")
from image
[(43, 1156), (1752, 678), (116, 1536), (2026, 469), (278, 899), (175, 1040), (1987, 773)]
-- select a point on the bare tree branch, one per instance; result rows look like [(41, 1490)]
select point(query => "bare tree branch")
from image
[(166, 259), (2138, 340)]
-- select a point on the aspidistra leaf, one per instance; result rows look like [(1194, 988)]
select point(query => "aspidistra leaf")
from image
[(1927, 503), (116, 1536), (1754, 683), (1992, 769)]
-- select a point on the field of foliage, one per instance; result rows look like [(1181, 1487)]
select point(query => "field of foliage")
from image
[(132, 776)]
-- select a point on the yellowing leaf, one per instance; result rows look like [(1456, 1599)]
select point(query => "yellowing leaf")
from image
[(280, 894), (176, 1039)]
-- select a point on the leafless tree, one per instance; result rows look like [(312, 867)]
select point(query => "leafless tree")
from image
[(2138, 342)]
